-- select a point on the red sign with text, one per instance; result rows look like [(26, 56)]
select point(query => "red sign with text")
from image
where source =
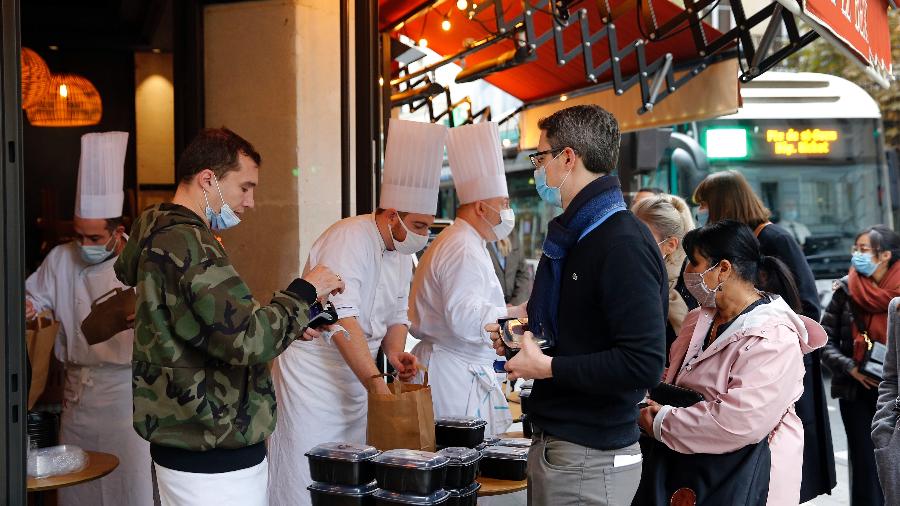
[(861, 24)]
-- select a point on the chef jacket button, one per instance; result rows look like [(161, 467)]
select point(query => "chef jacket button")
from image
[(689, 367)]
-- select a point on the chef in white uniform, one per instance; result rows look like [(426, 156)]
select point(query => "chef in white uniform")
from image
[(456, 292), (321, 386), (97, 408)]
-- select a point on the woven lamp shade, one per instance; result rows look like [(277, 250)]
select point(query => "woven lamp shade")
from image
[(71, 101), (35, 78)]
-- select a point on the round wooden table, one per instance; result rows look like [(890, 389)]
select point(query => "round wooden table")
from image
[(99, 465), (491, 486)]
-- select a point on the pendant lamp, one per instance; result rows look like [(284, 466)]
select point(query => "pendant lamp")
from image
[(71, 101), (35, 77)]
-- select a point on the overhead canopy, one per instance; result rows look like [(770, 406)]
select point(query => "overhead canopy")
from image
[(543, 76), (858, 27)]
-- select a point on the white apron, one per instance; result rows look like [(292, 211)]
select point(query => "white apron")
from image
[(244, 487), (327, 403), (461, 386), (97, 415), (97, 403)]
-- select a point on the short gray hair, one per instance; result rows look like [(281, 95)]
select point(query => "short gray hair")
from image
[(590, 130)]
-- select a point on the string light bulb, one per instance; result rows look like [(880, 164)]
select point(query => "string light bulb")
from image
[(423, 42), (445, 24), (462, 4), (63, 91), (563, 98)]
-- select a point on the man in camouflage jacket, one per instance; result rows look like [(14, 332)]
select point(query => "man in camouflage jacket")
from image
[(203, 394)]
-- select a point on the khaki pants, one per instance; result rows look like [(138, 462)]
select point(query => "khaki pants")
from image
[(563, 473)]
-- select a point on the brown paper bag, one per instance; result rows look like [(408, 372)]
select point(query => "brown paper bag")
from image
[(40, 334), (402, 419), (109, 315)]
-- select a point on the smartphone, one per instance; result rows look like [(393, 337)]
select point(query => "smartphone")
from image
[(322, 315)]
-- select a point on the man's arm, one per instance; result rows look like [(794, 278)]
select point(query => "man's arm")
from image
[(40, 287), (355, 351)]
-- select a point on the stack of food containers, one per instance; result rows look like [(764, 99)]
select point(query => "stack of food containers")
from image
[(506, 459), (343, 474), (461, 473), (410, 477)]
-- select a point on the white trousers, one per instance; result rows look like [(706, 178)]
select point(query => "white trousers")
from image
[(245, 487)]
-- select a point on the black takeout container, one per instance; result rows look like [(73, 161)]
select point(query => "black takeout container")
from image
[(410, 471), (463, 466), (504, 463), (342, 463), (464, 496), (328, 494), (388, 498), (460, 431)]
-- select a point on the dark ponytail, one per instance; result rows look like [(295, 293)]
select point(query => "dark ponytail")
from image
[(775, 277)]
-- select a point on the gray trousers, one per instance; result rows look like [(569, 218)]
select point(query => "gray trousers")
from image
[(561, 473)]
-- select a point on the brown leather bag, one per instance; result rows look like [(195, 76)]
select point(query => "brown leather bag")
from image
[(110, 315)]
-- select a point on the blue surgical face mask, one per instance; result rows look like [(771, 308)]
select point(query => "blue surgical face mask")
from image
[(226, 217), (95, 254), (549, 194), (864, 264), (702, 217)]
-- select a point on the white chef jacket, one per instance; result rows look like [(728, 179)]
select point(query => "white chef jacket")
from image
[(455, 293), (97, 405), (66, 285), (319, 397)]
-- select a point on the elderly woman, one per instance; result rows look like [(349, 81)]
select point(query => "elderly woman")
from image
[(743, 351), (669, 218), (727, 195)]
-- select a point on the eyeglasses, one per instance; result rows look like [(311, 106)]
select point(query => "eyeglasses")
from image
[(537, 158)]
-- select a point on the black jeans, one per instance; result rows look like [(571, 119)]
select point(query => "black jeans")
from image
[(865, 490)]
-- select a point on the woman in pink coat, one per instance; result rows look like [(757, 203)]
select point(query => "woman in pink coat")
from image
[(743, 351)]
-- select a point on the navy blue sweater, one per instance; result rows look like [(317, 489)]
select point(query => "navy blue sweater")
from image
[(612, 337)]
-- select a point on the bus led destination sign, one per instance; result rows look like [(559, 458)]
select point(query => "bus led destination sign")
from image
[(810, 141)]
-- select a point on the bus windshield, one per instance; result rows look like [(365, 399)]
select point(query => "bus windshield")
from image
[(821, 179)]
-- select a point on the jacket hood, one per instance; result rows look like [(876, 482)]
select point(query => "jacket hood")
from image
[(777, 312), (154, 219)]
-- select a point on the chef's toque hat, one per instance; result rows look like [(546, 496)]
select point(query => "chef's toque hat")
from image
[(476, 162), (101, 173), (412, 166)]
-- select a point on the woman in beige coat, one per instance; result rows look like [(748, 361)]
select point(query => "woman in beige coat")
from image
[(669, 219)]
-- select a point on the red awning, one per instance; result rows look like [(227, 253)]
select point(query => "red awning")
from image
[(543, 77), (859, 27)]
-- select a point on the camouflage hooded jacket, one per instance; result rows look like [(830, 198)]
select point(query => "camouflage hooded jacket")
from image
[(200, 378)]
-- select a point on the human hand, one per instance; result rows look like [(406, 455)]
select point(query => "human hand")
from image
[(645, 419), (130, 320), (325, 281), (310, 333), (530, 362), (493, 330), (378, 386), (406, 364), (30, 312), (867, 382)]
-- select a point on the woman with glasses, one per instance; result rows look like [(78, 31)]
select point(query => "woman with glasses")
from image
[(858, 309), (727, 195), (669, 218)]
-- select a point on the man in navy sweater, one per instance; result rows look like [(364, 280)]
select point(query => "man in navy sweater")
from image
[(599, 301)]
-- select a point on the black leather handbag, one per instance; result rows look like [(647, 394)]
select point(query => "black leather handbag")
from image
[(874, 353)]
